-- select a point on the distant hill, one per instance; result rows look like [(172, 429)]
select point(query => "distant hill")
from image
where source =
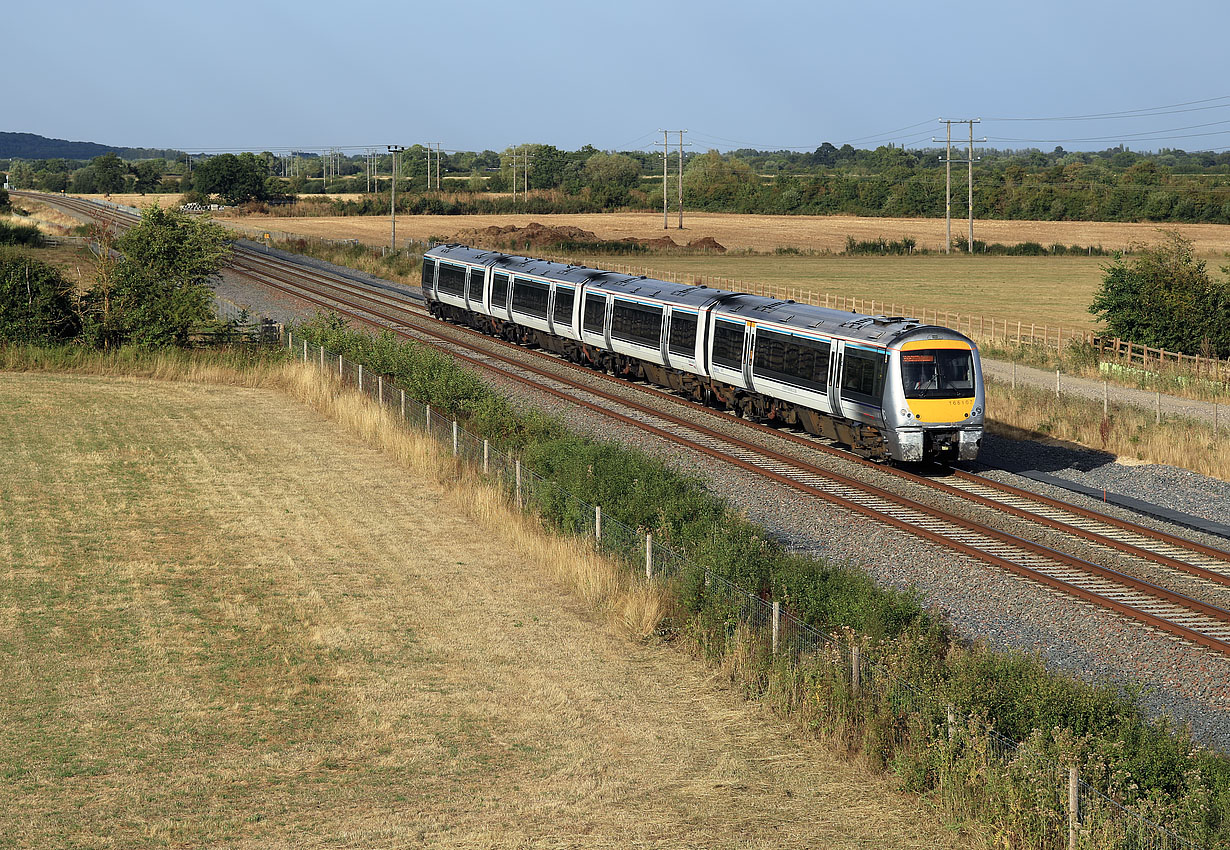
[(31, 146)]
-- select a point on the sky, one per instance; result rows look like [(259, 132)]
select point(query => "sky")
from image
[(474, 75)]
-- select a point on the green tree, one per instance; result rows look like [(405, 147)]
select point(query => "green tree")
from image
[(1164, 297), (5, 204), (157, 292), (36, 305), (715, 182), (109, 171), (236, 178)]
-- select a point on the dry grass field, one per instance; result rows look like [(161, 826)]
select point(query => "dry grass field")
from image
[(764, 233), (225, 620)]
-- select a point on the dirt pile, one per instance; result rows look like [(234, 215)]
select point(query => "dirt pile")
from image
[(535, 235)]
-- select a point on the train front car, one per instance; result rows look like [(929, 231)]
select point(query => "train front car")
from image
[(933, 399)]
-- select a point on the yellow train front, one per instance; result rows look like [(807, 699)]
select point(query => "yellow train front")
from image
[(933, 397)]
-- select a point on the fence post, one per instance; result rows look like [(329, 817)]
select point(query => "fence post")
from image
[(518, 477), (648, 556), (777, 623), (290, 341), (403, 405), (856, 669), (454, 438), (486, 457), (380, 388), (429, 420), (1074, 802), (1056, 383), (305, 351), (360, 377), (322, 358), (598, 523), (339, 365)]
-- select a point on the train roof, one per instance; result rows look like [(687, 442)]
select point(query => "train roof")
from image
[(878, 330)]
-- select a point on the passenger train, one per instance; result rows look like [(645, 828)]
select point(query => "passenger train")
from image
[(887, 386)]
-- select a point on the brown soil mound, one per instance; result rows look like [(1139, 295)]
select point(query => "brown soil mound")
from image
[(534, 234), (537, 235), (707, 243)]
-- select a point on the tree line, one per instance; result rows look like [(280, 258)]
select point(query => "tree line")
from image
[(1111, 185)]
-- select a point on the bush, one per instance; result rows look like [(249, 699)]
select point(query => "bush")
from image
[(20, 234), (35, 301)]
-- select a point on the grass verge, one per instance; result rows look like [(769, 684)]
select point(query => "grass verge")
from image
[(251, 634)]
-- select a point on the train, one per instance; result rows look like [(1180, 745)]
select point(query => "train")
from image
[(891, 388)]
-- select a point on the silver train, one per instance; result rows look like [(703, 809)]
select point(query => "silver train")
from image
[(887, 386)]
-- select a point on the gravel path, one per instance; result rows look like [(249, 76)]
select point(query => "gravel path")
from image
[(983, 603)]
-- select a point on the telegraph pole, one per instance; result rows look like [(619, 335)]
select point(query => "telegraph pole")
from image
[(948, 161), (681, 132), (438, 165), (666, 158), (395, 150)]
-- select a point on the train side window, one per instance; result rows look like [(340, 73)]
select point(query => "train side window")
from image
[(793, 360), (429, 272), (595, 312), (452, 279), (637, 323), (477, 278), (682, 339), (862, 377), (564, 297), (530, 297), (728, 344), (499, 290)]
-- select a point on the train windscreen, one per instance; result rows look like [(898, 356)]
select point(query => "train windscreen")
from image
[(937, 373)]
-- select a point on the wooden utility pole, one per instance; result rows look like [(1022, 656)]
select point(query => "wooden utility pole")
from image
[(666, 158), (681, 132), (395, 150), (948, 161)]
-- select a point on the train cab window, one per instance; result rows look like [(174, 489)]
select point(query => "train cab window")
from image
[(477, 279), (637, 323), (862, 376), (429, 272), (937, 373), (531, 297), (796, 360), (564, 296), (594, 317), (728, 344), (682, 339), (452, 279), (499, 290)]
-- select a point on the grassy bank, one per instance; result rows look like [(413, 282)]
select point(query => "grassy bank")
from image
[(1063, 721)]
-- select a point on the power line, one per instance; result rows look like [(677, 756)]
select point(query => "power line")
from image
[(948, 161), (1131, 113)]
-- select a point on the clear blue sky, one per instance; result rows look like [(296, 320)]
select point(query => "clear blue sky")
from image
[(472, 74)]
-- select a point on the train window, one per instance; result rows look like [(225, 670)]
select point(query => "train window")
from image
[(862, 376), (728, 344), (452, 279), (792, 359), (637, 323), (937, 373), (564, 296), (595, 312), (531, 297), (683, 334), (499, 290), (429, 272), (477, 279)]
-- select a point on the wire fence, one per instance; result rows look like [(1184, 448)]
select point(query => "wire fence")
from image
[(1093, 819)]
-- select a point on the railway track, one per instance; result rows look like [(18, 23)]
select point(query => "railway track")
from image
[(1159, 607)]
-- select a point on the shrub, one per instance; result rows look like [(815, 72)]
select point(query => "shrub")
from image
[(35, 301)]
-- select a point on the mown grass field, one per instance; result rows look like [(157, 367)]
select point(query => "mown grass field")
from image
[(227, 621)]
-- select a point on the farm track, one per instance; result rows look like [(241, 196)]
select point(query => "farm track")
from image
[(1165, 609)]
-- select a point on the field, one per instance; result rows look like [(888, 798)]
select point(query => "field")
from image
[(227, 621)]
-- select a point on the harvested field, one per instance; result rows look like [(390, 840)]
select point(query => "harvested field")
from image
[(170, 199), (759, 232), (257, 631)]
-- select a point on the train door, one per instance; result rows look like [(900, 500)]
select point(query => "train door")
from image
[(859, 390)]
